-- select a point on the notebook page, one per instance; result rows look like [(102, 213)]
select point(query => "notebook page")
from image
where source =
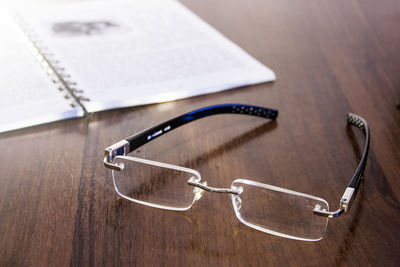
[(124, 53), (28, 96)]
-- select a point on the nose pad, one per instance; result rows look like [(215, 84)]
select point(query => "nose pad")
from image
[(238, 202), (198, 192)]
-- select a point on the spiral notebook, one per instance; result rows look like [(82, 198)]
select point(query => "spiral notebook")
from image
[(69, 60)]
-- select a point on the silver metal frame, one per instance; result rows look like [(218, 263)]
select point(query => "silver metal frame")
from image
[(204, 186), (122, 148)]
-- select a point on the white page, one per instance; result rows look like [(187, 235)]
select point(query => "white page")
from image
[(28, 97), (142, 52)]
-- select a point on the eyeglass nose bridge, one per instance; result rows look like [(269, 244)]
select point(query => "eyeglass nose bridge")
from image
[(235, 191)]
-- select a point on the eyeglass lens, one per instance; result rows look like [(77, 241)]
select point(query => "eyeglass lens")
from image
[(279, 211), (153, 185)]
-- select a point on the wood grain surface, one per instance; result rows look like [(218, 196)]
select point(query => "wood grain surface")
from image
[(57, 202)]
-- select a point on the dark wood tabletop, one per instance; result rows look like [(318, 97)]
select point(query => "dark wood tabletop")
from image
[(58, 206)]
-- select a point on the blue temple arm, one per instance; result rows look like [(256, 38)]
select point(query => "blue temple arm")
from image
[(141, 138)]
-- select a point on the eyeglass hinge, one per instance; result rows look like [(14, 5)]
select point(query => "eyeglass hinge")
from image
[(345, 201), (344, 205), (118, 149)]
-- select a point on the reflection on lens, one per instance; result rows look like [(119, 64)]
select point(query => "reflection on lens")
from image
[(279, 211), (154, 184)]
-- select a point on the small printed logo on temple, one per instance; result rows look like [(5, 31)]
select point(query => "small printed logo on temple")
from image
[(159, 132)]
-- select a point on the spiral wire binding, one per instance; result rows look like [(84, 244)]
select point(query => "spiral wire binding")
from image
[(52, 67)]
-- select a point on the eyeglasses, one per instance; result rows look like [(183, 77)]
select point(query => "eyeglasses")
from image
[(263, 207)]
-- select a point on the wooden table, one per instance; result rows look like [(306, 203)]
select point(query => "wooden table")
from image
[(57, 202)]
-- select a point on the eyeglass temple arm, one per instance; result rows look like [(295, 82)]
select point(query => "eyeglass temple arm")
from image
[(352, 188), (135, 141)]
